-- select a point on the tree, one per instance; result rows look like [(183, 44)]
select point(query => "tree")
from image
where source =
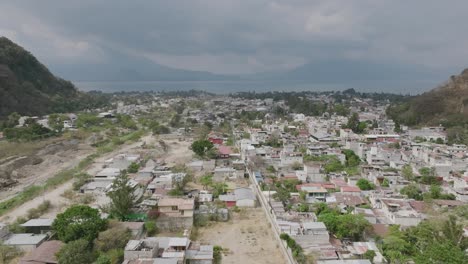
[(352, 159), (282, 195), (442, 252), (78, 222), (133, 167), (370, 254), (113, 238), (365, 185), (385, 183), (151, 228), (55, 121), (122, 195), (412, 191), (352, 226), (353, 123), (76, 252), (407, 172), (103, 259), (296, 166), (217, 254), (219, 188), (201, 147), (206, 180)]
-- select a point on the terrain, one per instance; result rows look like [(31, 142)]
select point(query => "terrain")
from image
[(445, 105), (246, 238), (29, 88)]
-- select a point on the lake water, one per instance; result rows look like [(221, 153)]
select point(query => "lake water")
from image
[(226, 87)]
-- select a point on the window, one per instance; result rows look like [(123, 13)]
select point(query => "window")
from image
[(174, 208)]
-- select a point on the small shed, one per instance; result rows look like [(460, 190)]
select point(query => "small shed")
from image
[(245, 197), (26, 242), (38, 225)]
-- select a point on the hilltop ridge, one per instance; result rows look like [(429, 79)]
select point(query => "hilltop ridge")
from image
[(29, 88), (445, 105)]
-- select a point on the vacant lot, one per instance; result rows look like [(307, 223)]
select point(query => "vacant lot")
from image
[(247, 238)]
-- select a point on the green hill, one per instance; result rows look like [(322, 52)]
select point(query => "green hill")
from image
[(29, 88), (446, 105)]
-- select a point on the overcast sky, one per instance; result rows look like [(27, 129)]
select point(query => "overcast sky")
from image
[(242, 36)]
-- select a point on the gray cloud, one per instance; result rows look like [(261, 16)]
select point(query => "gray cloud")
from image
[(242, 36)]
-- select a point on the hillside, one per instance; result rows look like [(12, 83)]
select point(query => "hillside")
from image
[(29, 88), (446, 105)]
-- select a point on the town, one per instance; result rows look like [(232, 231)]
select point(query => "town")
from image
[(193, 177)]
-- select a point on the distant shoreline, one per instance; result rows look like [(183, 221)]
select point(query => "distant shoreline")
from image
[(226, 87)]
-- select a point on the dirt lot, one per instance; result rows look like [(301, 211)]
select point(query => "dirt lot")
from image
[(178, 153), (247, 238), (52, 158)]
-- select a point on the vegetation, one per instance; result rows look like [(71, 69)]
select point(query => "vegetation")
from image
[(78, 222), (365, 184), (348, 225), (112, 238), (201, 147), (122, 196), (355, 125), (76, 252), (432, 241), (151, 228), (8, 253), (297, 251), (31, 89)]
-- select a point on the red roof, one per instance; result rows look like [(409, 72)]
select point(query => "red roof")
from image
[(224, 150), (350, 189)]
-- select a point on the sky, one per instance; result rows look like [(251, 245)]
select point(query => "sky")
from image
[(242, 36)]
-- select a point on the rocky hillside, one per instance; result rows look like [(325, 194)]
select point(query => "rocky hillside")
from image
[(446, 105), (28, 87)]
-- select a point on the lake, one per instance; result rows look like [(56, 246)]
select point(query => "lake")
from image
[(226, 87)]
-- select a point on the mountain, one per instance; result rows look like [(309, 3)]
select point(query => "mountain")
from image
[(352, 71), (446, 105), (29, 88), (119, 66)]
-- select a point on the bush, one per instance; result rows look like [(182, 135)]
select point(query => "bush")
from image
[(76, 252), (113, 238), (217, 254), (151, 228)]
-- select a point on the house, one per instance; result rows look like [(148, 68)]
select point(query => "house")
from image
[(221, 174), (175, 213), (25, 242), (242, 197), (350, 190), (199, 254), (224, 152), (96, 187), (107, 174), (167, 250), (290, 158), (314, 192), (44, 254), (245, 197), (399, 212), (205, 196), (358, 249), (196, 165), (216, 140), (38, 225), (122, 161)]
